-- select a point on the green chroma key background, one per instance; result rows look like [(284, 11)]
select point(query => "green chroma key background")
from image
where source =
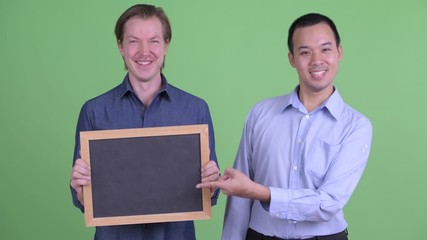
[(54, 55)]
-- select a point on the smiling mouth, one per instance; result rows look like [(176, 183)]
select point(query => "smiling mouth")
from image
[(143, 62), (318, 73)]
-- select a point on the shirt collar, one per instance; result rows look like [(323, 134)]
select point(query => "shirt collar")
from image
[(334, 104), (126, 87)]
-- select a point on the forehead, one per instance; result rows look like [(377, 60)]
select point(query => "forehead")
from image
[(143, 27), (314, 35)]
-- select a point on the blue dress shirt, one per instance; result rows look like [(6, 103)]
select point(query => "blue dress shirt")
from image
[(120, 108), (311, 162)]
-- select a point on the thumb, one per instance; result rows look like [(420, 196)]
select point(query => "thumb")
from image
[(230, 172)]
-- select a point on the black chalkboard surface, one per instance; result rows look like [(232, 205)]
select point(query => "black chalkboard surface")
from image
[(145, 175)]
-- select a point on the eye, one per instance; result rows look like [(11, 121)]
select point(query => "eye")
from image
[(326, 50), (304, 53), (155, 41)]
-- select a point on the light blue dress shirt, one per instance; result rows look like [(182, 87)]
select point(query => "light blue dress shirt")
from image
[(311, 162)]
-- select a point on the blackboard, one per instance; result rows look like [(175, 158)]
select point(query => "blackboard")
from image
[(145, 175)]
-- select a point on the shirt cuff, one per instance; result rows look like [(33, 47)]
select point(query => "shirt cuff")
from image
[(279, 202)]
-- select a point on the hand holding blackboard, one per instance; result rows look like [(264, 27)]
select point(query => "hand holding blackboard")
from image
[(80, 176), (210, 172)]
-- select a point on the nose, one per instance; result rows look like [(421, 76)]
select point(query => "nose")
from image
[(316, 58), (143, 48)]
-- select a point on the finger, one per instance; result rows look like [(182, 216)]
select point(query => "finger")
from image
[(210, 163), (210, 167), (230, 172), (78, 184), (79, 178), (213, 177), (80, 173), (80, 170), (210, 171), (79, 162), (209, 185), (224, 177)]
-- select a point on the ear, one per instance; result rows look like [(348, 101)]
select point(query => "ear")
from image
[(291, 59), (340, 52), (120, 47), (166, 46)]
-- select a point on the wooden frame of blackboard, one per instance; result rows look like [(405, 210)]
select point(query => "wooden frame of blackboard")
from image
[(110, 143)]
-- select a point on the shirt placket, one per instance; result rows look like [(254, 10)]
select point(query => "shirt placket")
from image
[(296, 160), (294, 175)]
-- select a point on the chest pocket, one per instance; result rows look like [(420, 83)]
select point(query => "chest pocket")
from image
[(318, 160)]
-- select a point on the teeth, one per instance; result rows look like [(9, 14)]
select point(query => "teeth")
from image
[(143, 62), (318, 73)]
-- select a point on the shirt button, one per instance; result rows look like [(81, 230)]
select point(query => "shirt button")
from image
[(307, 116), (365, 148), (295, 167)]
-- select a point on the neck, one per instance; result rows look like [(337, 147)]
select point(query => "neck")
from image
[(146, 91), (312, 100)]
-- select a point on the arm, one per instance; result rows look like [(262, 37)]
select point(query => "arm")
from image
[(321, 203), (80, 173), (237, 213), (238, 209), (235, 183), (318, 203), (210, 171)]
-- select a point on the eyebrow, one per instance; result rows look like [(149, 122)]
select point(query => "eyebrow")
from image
[(323, 45), (326, 44), (302, 47), (130, 36), (135, 37)]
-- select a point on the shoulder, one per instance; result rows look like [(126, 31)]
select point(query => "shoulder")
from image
[(109, 95), (346, 114), (105, 98), (267, 109), (271, 105), (355, 118), (183, 97)]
